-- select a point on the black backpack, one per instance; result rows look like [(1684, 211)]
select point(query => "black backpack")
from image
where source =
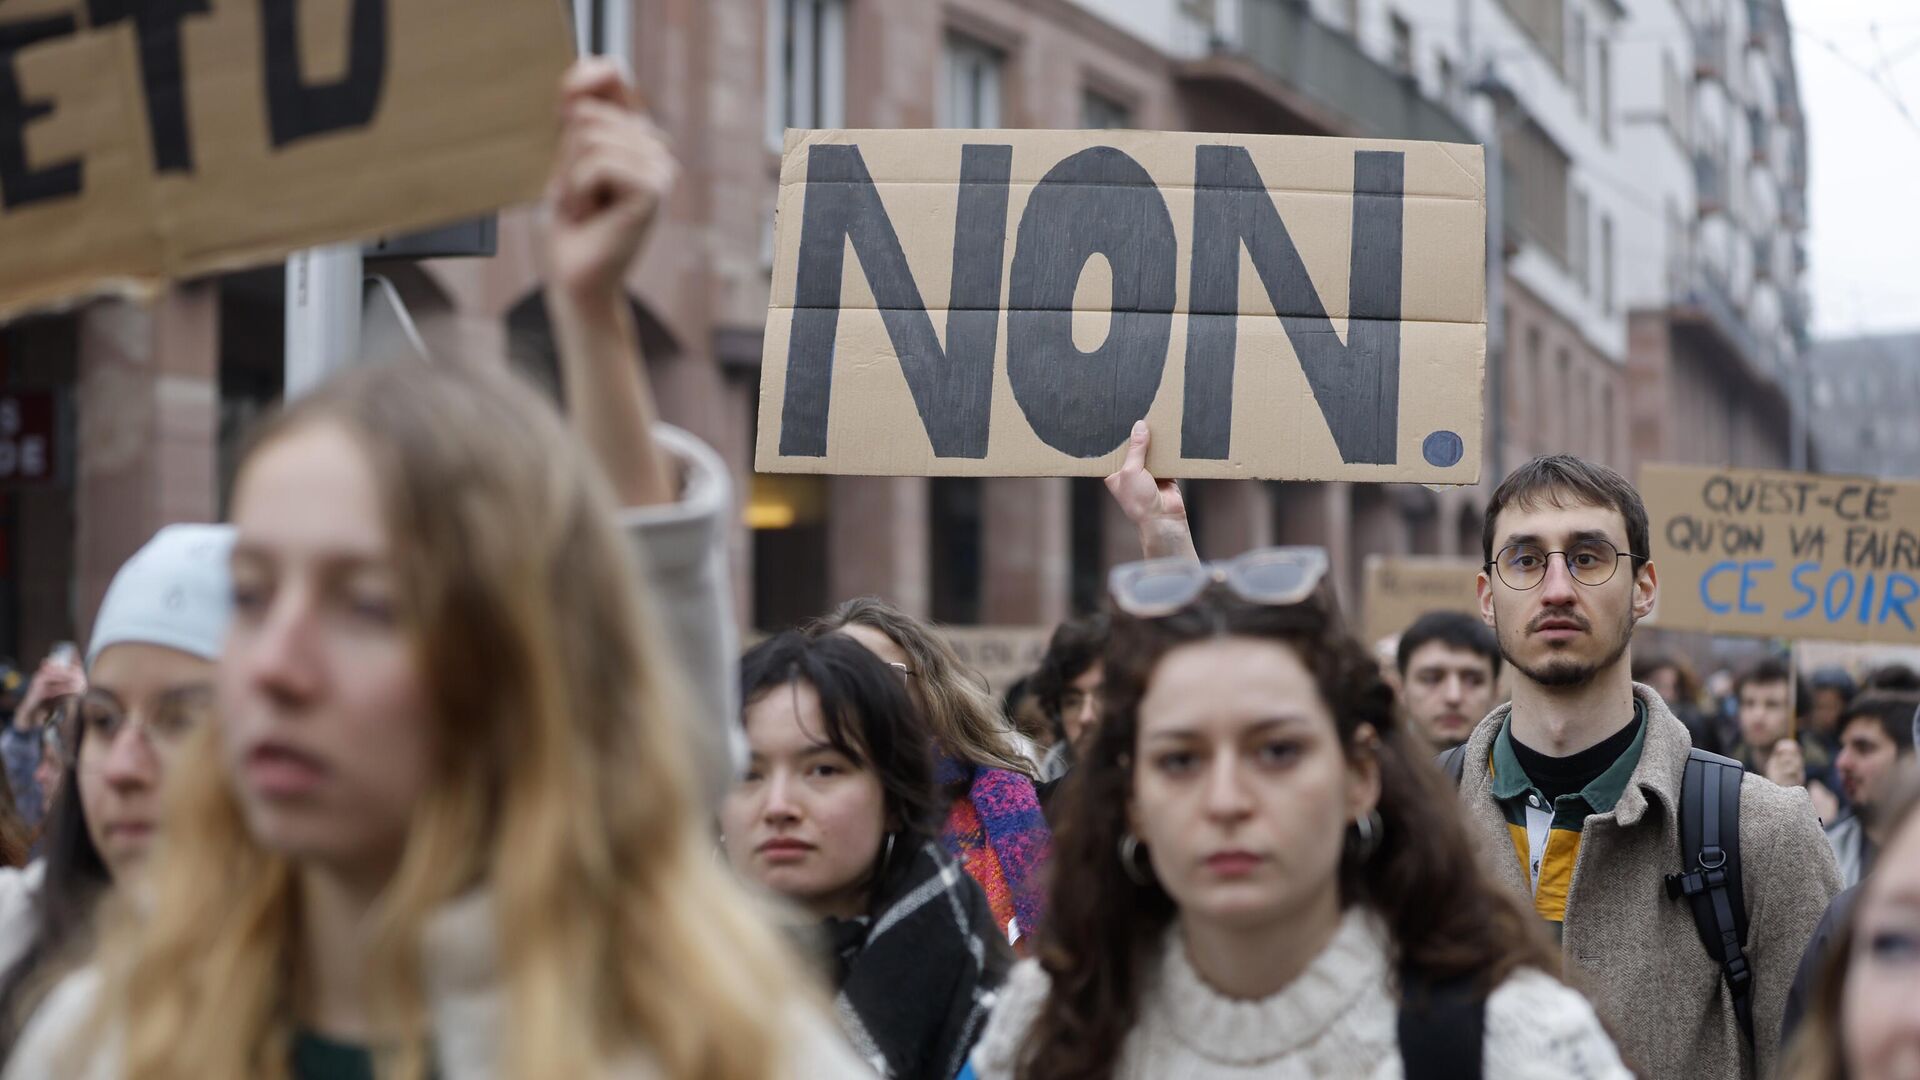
[(1710, 850), (1442, 1029)]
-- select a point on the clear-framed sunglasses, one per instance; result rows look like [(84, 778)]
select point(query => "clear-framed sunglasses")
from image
[(1274, 575)]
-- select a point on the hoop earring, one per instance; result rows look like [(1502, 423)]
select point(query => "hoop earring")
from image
[(1130, 861), (1370, 828)]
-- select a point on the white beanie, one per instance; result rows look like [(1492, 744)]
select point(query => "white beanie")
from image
[(176, 591)]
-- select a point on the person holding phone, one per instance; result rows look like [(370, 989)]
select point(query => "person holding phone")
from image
[(58, 677)]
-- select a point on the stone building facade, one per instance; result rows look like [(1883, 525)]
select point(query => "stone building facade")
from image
[(1584, 361)]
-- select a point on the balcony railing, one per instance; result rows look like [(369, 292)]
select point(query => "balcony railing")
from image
[(1284, 39)]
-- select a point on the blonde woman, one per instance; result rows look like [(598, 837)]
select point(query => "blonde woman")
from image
[(446, 821), (994, 824)]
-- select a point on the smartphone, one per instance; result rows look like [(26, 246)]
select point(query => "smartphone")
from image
[(64, 652)]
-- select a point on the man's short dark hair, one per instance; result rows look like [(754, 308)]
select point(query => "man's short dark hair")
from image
[(1451, 628), (1896, 677), (1765, 673), (1895, 713), (1076, 645), (1550, 480)]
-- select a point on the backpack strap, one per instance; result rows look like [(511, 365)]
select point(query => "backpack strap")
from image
[(1442, 1028), (1710, 879), (1453, 762)]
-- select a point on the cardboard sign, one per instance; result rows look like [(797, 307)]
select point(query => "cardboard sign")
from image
[(1399, 590), (1001, 654), (1011, 302), (146, 141), (1781, 554)]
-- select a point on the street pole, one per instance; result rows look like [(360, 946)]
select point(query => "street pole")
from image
[(605, 28), (323, 315), (1489, 88)]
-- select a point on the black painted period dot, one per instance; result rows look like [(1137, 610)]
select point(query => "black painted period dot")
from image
[(1442, 449)]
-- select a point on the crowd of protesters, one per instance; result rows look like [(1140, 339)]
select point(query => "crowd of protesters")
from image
[(439, 759)]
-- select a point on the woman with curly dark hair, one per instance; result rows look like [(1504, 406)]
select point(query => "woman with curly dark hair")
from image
[(1256, 872)]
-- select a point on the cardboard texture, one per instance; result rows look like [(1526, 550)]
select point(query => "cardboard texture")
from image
[(1399, 590), (283, 125), (1781, 554), (1001, 655), (1010, 302)]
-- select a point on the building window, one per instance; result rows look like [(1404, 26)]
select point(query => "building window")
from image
[(1449, 88), (1577, 62), (1402, 45), (1545, 22), (1603, 62), (974, 71), (806, 66), (1570, 411), (1606, 425), (1087, 543), (1577, 250), (955, 563), (1677, 89), (1606, 264), (1100, 112), (1537, 170), (1542, 399)]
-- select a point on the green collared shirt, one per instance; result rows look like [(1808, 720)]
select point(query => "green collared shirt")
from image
[(1547, 840)]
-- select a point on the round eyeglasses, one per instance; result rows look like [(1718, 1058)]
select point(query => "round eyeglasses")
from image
[(1590, 562)]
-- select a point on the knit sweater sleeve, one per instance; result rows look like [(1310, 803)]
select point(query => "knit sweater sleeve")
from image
[(1016, 1006), (1538, 1028), (682, 547)]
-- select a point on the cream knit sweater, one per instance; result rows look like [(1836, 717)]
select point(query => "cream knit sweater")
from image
[(1338, 1019)]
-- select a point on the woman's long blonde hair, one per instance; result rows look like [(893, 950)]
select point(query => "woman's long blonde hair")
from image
[(964, 716), (562, 785)]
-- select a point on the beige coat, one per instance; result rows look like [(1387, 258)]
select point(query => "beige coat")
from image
[(1636, 952)]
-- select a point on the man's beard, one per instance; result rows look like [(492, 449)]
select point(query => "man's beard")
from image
[(1561, 672)]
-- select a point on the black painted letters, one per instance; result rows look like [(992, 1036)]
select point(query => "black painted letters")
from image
[(1357, 385), (299, 110)]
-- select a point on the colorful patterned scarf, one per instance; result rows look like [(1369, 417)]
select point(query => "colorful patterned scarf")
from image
[(998, 833)]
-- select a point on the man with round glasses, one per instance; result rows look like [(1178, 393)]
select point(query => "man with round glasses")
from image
[(1572, 790)]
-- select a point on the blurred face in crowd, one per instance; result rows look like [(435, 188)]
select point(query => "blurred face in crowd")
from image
[(1869, 763), (1080, 704), (1665, 681), (325, 721), (805, 820), (1766, 713), (1828, 703), (1242, 792), (141, 703), (1561, 632), (1880, 1013), (1447, 690)]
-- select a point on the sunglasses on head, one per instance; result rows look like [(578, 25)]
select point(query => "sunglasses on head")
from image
[(1275, 575)]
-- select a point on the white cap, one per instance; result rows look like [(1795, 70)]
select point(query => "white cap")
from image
[(176, 591)]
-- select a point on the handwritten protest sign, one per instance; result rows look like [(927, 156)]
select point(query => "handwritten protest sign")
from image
[(1781, 554), (145, 141), (1011, 302), (1399, 590), (999, 654)]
